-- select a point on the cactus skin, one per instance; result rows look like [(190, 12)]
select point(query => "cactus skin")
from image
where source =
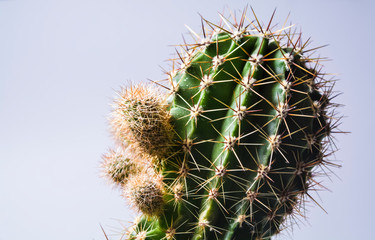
[(251, 120)]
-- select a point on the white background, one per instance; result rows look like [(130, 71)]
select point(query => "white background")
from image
[(61, 62)]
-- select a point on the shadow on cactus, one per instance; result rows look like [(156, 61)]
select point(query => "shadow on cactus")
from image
[(232, 151)]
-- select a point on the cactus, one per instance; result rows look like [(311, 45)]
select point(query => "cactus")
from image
[(233, 149)]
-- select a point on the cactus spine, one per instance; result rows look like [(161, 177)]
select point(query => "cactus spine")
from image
[(232, 150)]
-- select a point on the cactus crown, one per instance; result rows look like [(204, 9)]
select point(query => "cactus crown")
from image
[(232, 151)]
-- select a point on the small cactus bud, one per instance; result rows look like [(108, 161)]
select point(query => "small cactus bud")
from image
[(140, 117), (117, 166), (145, 193)]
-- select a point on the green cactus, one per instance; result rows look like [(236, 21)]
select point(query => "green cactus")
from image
[(231, 151)]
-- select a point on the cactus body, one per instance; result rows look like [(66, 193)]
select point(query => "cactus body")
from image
[(247, 126)]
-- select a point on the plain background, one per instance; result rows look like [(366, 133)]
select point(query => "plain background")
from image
[(61, 62)]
